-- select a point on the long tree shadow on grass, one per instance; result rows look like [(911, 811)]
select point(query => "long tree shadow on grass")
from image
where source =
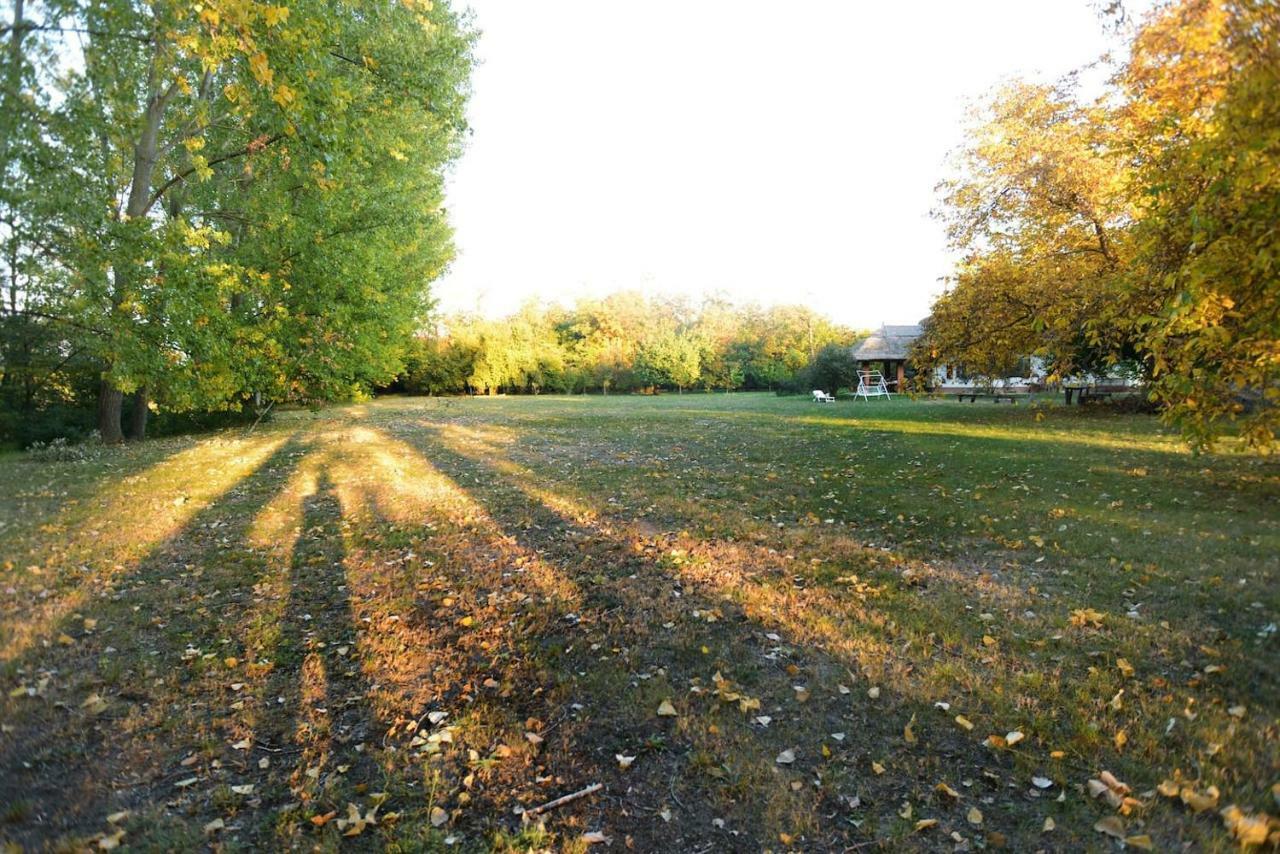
[(130, 694), (646, 634), (314, 724), (513, 495), (78, 535)]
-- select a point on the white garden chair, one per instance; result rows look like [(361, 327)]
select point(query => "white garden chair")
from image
[(820, 396)]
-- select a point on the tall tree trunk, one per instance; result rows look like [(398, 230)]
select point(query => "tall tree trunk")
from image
[(145, 153), (110, 399), (138, 412)]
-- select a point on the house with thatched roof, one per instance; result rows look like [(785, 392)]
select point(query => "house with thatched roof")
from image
[(887, 350)]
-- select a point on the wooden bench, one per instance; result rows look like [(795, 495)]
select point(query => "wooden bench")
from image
[(1084, 394), (996, 396)]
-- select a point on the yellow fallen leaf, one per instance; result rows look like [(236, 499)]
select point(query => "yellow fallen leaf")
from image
[(1248, 829), (1198, 802), (438, 817), (1121, 739), (926, 823), (974, 817), (1112, 826), (1125, 668), (354, 824), (964, 722), (877, 767), (110, 842), (1048, 825), (1081, 617), (666, 710), (1113, 783), (908, 734), (946, 790), (1168, 788)]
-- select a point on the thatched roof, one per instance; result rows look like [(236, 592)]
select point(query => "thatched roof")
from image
[(888, 342)]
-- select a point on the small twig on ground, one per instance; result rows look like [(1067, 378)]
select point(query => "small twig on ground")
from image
[(558, 802), (671, 786)]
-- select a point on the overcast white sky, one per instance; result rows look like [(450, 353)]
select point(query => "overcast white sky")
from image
[(776, 152)]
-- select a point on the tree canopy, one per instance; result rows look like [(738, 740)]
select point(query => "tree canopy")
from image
[(216, 202), (1138, 230)]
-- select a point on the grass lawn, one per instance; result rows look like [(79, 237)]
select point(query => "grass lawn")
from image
[(897, 624)]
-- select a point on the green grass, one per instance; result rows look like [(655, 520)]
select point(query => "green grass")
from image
[(548, 571)]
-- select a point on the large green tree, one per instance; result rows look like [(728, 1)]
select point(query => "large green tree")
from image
[(258, 203)]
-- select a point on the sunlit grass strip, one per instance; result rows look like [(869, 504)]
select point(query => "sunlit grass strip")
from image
[(110, 539)]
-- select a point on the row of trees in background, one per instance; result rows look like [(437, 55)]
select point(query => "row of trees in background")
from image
[(209, 204), (1140, 229), (625, 343)]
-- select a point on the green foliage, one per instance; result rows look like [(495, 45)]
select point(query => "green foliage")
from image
[(669, 359), (622, 343), (258, 203), (832, 369)]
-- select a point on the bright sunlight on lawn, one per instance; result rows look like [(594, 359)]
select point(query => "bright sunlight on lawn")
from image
[(759, 623)]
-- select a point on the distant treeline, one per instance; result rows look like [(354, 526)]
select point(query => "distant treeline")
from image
[(625, 343)]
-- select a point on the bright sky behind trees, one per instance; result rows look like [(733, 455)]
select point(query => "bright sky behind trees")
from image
[(771, 152)]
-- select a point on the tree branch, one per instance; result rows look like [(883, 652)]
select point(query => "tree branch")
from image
[(28, 27), (251, 148)]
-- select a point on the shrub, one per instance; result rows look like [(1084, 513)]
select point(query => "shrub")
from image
[(60, 450)]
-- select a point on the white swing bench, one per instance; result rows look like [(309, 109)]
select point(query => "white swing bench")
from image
[(872, 384)]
